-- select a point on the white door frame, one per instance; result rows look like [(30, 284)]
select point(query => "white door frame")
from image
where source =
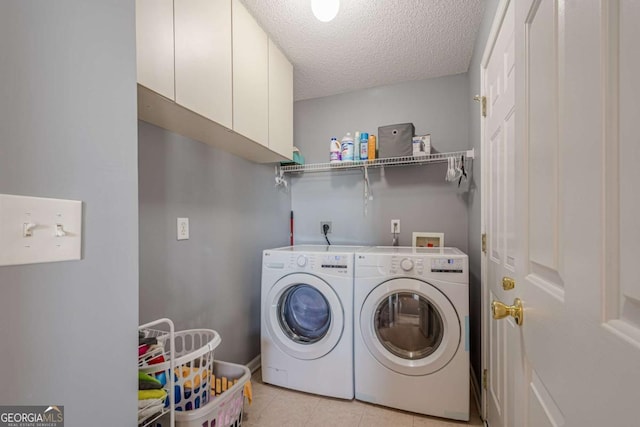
[(484, 185)]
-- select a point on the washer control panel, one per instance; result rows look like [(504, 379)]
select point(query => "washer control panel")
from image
[(418, 265), (400, 264), (447, 265)]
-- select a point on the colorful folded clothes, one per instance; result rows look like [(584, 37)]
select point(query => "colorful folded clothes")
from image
[(150, 354), (147, 382), (151, 394), (147, 341), (148, 408), (147, 403)]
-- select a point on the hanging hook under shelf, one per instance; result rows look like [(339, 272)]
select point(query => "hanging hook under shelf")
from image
[(368, 192), (280, 179)]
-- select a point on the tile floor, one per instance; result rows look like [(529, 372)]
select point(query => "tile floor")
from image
[(275, 407)]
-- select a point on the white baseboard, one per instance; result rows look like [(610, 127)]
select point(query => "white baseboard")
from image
[(254, 364)]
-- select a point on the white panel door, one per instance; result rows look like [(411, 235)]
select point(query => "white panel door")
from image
[(280, 102), (575, 359), (203, 58), (250, 76), (499, 87), (154, 46)]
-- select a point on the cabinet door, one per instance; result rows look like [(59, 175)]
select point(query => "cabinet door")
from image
[(250, 77), (154, 46), (280, 102), (203, 58)]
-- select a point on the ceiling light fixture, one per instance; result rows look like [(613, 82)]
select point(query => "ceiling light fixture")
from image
[(325, 10)]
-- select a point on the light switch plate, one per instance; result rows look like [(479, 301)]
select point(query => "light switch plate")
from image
[(183, 229), (37, 229)]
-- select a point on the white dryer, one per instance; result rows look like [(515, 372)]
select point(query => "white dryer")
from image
[(411, 329), (307, 319)]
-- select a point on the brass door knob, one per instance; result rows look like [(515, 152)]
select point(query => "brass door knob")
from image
[(500, 311), (508, 283)]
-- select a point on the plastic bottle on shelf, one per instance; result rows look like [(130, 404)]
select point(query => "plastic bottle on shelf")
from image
[(335, 151), (371, 149), (356, 146), (347, 148), (364, 146)]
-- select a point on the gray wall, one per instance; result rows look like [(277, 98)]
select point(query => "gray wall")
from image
[(475, 229), (417, 195), (213, 279), (68, 130)]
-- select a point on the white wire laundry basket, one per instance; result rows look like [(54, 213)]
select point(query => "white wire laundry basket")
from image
[(187, 366), (151, 410)]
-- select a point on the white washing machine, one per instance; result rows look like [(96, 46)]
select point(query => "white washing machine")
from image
[(411, 329), (307, 319)]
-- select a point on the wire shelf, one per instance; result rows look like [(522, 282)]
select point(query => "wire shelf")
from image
[(377, 163)]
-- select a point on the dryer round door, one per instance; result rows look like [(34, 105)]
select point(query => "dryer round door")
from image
[(304, 316), (410, 326)]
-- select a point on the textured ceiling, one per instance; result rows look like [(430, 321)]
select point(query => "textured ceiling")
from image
[(371, 42)]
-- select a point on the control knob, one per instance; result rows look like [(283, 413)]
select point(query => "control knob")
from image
[(406, 264), (301, 261)]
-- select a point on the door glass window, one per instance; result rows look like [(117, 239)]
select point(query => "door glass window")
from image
[(408, 325), (305, 315)]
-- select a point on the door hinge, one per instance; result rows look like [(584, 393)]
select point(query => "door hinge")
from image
[(484, 379), (483, 103), (484, 243)]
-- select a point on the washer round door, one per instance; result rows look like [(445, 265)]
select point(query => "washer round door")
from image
[(410, 326), (304, 316)]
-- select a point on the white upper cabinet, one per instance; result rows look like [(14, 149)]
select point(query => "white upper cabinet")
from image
[(250, 77), (203, 58), (208, 71), (280, 102), (154, 41)]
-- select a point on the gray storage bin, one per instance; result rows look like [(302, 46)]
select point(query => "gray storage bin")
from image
[(395, 140)]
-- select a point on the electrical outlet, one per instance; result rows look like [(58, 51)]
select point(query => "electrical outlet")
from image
[(183, 228), (322, 223), (395, 225)]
